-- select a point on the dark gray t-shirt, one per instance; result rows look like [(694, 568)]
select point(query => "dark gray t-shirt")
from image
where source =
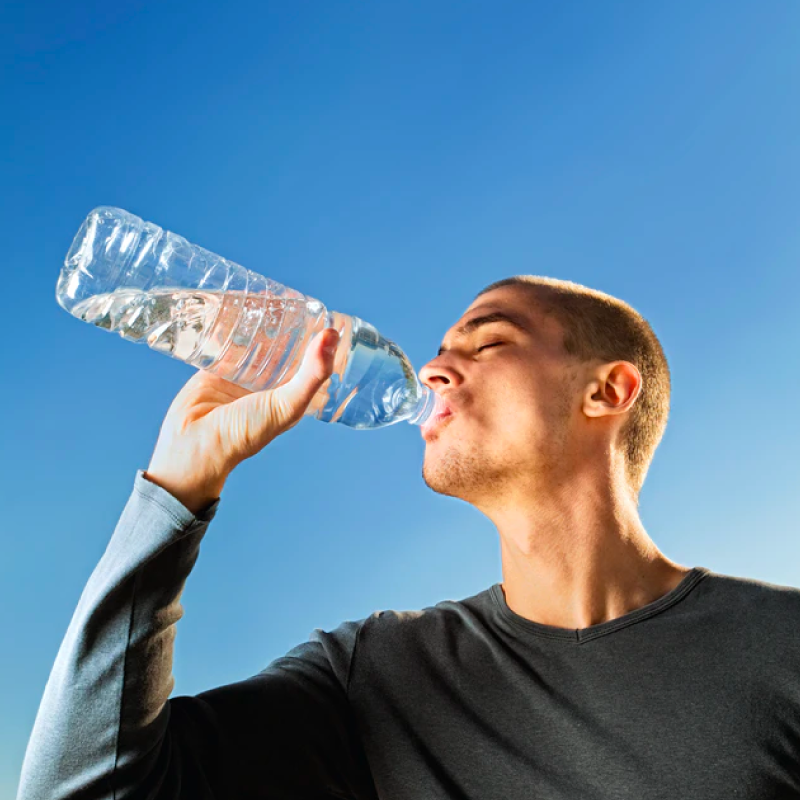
[(696, 695)]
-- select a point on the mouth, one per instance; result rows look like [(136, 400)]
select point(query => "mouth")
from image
[(435, 422)]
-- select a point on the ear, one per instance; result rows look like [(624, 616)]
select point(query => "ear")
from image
[(614, 390)]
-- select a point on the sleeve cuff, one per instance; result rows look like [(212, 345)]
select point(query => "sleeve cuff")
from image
[(170, 503)]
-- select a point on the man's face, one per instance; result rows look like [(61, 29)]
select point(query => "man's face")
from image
[(515, 403)]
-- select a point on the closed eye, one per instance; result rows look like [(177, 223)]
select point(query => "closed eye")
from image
[(494, 344)]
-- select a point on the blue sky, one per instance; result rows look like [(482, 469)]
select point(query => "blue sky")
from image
[(390, 159)]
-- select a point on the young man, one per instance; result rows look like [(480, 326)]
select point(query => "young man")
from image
[(597, 669)]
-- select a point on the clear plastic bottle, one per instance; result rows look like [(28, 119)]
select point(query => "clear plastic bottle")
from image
[(150, 285)]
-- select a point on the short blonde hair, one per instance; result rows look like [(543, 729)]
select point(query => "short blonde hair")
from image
[(599, 326)]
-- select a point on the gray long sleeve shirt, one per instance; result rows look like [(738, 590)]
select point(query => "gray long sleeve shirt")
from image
[(696, 695)]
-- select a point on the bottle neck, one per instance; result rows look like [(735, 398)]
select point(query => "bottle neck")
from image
[(424, 410)]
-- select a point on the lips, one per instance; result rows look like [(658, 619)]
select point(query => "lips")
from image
[(442, 412)]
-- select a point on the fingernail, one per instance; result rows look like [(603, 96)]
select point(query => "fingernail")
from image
[(330, 344)]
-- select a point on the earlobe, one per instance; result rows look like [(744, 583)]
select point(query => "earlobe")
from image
[(596, 404)]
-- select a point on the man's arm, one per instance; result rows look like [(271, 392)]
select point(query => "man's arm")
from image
[(106, 728)]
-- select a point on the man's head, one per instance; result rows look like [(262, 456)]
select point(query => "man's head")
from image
[(585, 386)]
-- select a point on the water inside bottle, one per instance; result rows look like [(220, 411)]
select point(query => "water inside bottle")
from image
[(195, 326), (257, 341)]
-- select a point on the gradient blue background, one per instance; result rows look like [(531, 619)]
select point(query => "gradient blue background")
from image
[(390, 159)]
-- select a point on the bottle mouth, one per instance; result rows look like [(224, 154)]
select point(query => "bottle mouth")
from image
[(425, 408)]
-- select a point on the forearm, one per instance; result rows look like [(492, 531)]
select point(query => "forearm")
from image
[(103, 716)]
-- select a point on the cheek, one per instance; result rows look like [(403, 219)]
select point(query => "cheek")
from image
[(517, 411), (534, 405)]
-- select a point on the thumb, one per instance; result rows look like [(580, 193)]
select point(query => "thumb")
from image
[(293, 398)]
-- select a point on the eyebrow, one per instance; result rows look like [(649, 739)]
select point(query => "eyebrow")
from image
[(487, 319)]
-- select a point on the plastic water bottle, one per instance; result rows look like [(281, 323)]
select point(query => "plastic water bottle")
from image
[(150, 285)]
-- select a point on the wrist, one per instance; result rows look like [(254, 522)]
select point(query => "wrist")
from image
[(194, 498)]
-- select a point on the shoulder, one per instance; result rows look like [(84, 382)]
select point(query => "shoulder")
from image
[(760, 609), (753, 590), (427, 628)]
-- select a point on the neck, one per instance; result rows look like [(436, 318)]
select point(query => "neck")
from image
[(580, 557)]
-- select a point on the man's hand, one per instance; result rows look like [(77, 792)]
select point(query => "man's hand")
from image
[(213, 425)]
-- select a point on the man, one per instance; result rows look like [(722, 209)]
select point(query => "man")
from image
[(598, 668)]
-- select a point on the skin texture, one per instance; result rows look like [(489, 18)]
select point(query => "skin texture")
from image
[(533, 446)]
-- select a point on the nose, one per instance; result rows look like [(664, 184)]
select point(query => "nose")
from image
[(437, 374)]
